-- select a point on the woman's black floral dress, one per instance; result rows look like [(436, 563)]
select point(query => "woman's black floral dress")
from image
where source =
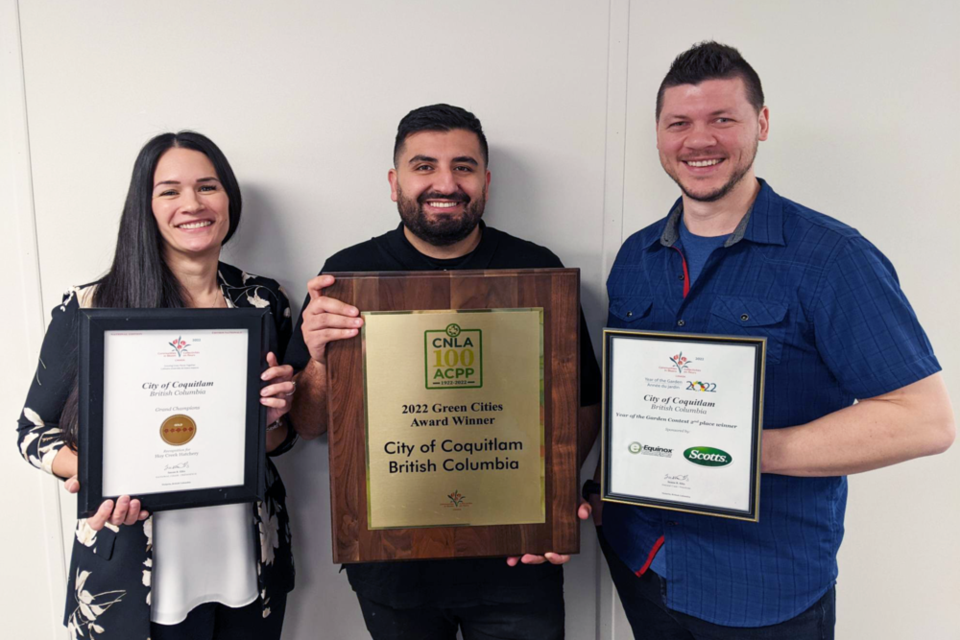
[(108, 593)]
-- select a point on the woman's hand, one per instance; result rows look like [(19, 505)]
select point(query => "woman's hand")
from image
[(65, 465), (277, 395), (124, 511)]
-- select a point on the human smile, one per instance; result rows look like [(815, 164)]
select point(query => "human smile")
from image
[(196, 224), (703, 163), (443, 203), (702, 167)]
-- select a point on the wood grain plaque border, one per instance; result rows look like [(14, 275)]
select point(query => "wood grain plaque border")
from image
[(558, 292)]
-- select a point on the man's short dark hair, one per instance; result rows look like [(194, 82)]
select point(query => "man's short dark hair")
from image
[(711, 61), (438, 117)]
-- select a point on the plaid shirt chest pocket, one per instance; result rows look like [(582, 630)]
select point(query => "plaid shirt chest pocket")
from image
[(745, 316)]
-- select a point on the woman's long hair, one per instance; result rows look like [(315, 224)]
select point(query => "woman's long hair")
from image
[(139, 277)]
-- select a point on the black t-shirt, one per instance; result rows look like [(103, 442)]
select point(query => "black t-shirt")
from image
[(459, 582)]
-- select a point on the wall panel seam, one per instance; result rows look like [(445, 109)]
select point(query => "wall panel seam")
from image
[(618, 39), (32, 302)]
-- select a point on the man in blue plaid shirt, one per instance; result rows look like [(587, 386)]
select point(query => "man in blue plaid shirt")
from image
[(733, 257)]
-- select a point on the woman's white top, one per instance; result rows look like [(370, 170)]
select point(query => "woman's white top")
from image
[(202, 555)]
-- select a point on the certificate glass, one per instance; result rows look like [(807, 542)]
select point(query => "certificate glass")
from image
[(682, 422), (169, 406)]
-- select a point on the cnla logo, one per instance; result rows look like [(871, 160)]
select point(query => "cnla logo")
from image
[(708, 456)]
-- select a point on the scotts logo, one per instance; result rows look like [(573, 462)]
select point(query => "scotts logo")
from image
[(708, 456)]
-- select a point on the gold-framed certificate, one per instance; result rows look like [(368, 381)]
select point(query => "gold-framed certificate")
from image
[(682, 421), (169, 407)]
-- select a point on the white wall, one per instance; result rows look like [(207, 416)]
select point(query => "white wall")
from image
[(304, 98)]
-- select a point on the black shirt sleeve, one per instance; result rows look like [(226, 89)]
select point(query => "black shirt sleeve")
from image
[(297, 355), (39, 436)]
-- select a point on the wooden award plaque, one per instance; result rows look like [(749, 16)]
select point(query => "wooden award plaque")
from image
[(453, 416)]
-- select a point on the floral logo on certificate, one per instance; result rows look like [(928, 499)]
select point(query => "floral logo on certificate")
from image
[(457, 500), (179, 345), (680, 362)]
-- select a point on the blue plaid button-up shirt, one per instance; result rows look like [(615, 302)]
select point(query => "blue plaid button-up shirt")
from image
[(838, 328)]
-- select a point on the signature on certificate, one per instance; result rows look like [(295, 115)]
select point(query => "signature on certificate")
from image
[(681, 478), (182, 465)]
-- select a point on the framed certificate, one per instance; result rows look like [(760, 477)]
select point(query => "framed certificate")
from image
[(170, 407), (682, 422)]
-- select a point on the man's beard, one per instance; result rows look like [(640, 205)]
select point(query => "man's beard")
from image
[(718, 194), (441, 230)]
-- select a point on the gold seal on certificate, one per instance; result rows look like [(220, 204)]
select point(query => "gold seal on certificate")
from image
[(682, 422), (178, 429)]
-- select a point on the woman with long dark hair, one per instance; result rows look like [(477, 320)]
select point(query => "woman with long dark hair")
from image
[(210, 572)]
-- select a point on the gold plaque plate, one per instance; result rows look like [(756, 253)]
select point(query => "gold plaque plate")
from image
[(454, 417)]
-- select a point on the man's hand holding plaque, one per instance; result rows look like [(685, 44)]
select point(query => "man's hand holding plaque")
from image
[(327, 319), (584, 512)]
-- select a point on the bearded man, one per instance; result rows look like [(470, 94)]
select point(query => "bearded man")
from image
[(439, 181)]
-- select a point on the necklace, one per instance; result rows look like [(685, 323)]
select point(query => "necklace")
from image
[(218, 301)]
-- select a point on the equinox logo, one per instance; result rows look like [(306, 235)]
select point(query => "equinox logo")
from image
[(708, 456), (647, 450)]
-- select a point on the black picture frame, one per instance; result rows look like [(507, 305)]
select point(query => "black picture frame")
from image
[(752, 514), (92, 327)]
